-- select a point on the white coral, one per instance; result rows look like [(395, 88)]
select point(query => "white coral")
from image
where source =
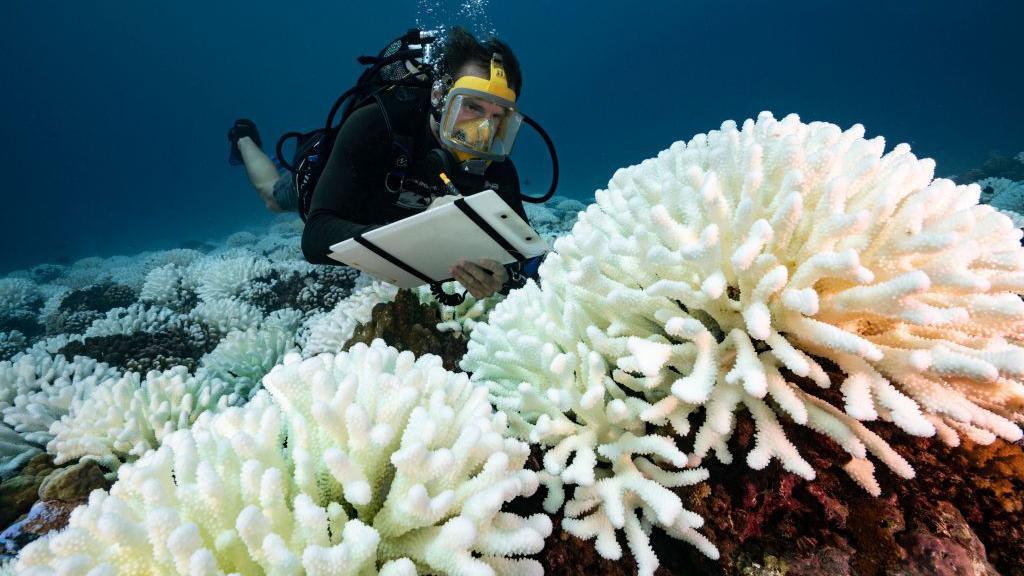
[(15, 451), (328, 332), (17, 294), (123, 417), (713, 275), (162, 285), (460, 319), (1003, 194), (242, 359), (37, 389), (218, 278), (135, 318), (224, 315), (367, 461)]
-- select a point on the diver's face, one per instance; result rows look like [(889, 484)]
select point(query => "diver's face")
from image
[(478, 108)]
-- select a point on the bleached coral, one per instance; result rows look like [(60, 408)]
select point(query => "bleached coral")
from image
[(180, 257), (37, 389), (224, 315), (1003, 194), (286, 319), (242, 238), (460, 319), (135, 318), (219, 278), (162, 285), (371, 460), (123, 417), (328, 332), (11, 343), (17, 294), (15, 451), (712, 277), (555, 217), (242, 359), (1017, 219)]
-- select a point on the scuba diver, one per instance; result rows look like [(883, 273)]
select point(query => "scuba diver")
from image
[(411, 136)]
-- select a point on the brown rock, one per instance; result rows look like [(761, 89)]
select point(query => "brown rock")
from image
[(43, 518), (17, 494), (939, 541), (408, 325), (73, 483)]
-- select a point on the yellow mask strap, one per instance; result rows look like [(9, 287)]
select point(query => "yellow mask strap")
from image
[(496, 85)]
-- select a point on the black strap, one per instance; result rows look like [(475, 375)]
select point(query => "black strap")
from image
[(449, 299), (483, 225), (387, 256)]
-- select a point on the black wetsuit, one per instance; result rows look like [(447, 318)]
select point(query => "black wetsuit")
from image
[(352, 197)]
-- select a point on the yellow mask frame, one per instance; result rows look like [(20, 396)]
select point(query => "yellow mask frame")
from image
[(500, 138)]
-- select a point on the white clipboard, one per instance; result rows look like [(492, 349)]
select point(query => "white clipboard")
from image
[(434, 240)]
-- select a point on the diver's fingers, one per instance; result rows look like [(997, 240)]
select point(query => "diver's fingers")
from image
[(479, 283), (498, 271), (477, 273), (472, 285)]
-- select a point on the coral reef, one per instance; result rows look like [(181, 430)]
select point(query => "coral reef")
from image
[(410, 325), (242, 359), (706, 280), (389, 463), (122, 418), (179, 345), (1006, 195), (782, 291), (37, 389), (329, 331)]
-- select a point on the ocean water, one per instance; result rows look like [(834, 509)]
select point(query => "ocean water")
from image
[(113, 114)]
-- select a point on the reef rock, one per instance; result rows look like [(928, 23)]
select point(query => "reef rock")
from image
[(17, 494), (74, 483), (407, 324)]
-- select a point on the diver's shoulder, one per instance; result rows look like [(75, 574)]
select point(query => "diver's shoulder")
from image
[(365, 116)]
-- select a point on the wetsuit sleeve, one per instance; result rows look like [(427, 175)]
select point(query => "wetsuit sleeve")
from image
[(343, 195)]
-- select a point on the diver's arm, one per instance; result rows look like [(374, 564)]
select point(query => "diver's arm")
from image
[(361, 145)]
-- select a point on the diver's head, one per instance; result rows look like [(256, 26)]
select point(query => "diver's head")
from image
[(461, 54), (474, 98)]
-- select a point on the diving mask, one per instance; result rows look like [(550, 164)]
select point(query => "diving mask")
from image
[(480, 119)]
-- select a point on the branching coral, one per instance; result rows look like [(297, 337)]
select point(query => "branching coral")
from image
[(388, 463), (135, 318), (328, 332), (707, 279), (1003, 194), (162, 285), (464, 317), (15, 452), (18, 294), (37, 389), (122, 418), (225, 315), (242, 359), (225, 277)]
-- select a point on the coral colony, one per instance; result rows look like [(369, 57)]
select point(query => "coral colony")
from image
[(745, 270)]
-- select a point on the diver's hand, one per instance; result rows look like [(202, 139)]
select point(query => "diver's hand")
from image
[(475, 278)]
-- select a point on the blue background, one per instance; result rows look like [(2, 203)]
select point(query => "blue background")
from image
[(113, 113)]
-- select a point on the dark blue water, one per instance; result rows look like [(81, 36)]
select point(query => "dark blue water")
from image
[(113, 114)]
